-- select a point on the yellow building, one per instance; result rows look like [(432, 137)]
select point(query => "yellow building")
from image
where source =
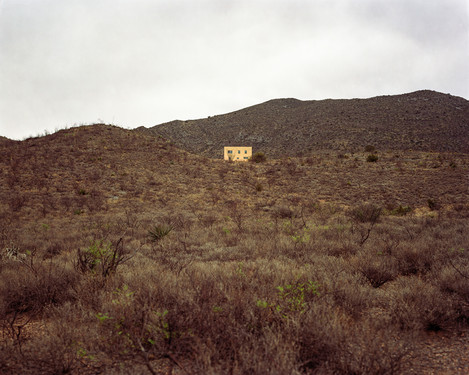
[(237, 153)]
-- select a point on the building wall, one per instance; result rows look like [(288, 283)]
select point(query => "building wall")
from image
[(237, 153)]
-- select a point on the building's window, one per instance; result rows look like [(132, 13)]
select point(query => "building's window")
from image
[(245, 151), (239, 151), (246, 157), (230, 152), (237, 158)]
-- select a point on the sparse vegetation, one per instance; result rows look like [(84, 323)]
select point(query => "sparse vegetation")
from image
[(301, 266)]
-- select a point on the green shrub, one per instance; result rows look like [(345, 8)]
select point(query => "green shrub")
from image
[(101, 257), (291, 298)]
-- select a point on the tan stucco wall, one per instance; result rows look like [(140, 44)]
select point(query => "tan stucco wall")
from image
[(238, 153)]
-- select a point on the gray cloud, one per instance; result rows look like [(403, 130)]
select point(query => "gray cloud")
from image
[(143, 62)]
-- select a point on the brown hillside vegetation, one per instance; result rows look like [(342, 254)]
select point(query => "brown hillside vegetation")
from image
[(5, 140), (419, 121), (120, 253)]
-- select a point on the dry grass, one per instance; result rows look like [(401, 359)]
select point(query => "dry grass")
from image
[(275, 280)]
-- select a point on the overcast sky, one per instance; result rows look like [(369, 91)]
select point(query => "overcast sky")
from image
[(145, 62)]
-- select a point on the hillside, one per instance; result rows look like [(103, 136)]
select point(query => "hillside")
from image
[(109, 163), (5, 140), (420, 121), (121, 253)]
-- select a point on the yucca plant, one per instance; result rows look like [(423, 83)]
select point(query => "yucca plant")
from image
[(160, 231)]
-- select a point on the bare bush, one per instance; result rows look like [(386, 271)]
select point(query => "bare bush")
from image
[(363, 218), (377, 268)]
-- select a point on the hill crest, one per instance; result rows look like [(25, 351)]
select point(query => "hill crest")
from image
[(423, 120)]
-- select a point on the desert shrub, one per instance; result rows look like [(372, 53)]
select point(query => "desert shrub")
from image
[(53, 249), (372, 348), (350, 293), (320, 335), (26, 289), (96, 200), (369, 148), (16, 201), (432, 204), (82, 191), (415, 258), (365, 213), (453, 279), (363, 219), (236, 214), (133, 326), (372, 158), (341, 286), (272, 352), (345, 248), (291, 298), (400, 210), (57, 350), (101, 257), (283, 212), (160, 231), (258, 157), (377, 268), (328, 343), (416, 304), (210, 320)]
